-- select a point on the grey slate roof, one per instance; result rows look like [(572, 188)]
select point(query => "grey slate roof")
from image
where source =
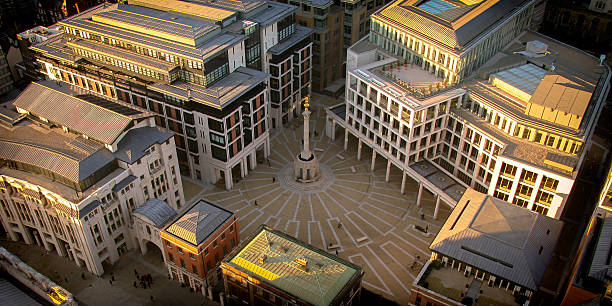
[(199, 222), (158, 211), (133, 145), (124, 182), (74, 168), (58, 104), (274, 12), (600, 267), (12, 295), (500, 238), (88, 208)]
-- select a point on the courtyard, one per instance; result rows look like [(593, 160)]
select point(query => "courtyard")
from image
[(354, 210)]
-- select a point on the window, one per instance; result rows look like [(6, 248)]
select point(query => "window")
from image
[(168, 245), (205, 252), (194, 269), (192, 256), (180, 250), (214, 244), (182, 263), (171, 257)]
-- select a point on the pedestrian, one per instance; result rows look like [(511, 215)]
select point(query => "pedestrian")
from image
[(336, 252), (136, 273), (339, 225), (273, 179), (66, 279), (135, 286), (422, 216), (152, 298), (110, 281), (83, 275), (255, 202), (426, 228), (113, 278)]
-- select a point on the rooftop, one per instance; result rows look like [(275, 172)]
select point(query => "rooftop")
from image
[(158, 211), (455, 24), (522, 149), (156, 23), (292, 266), (220, 93), (198, 222), (498, 237), (59, 104), (198, 10)]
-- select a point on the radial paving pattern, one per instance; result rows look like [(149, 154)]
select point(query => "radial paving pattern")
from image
[(355, 211)]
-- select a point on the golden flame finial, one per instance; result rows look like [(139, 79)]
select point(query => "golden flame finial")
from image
[(306, 103)]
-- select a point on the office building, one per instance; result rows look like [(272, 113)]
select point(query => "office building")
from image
[(75, 166), (491, 109), (219, 74), (273, 268), (195, 243), (499, 251)]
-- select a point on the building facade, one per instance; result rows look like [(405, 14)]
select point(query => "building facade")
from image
[(512, 130), (71, 183), (195, 243), (273, 268), (219, 75)]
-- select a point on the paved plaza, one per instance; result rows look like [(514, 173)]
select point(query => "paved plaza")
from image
[(354, 210)]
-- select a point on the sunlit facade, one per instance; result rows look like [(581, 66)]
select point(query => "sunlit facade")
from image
[(491, 113)]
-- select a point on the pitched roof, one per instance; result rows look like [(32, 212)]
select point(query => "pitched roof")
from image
[(158, 211), (83, 114), (133, 144), (272, 257), (199, 222), (498, 237)]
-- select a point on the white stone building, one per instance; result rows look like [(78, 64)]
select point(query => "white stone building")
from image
[(511, 121), (75, 166)]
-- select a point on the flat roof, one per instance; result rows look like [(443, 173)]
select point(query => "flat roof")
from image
[(300, 34), (157, 23), (499, 237), (525, 77), (293, 266), (520, 149), (244, 6), (193, 9)]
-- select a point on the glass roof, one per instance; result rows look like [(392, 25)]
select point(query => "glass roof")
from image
[(526, 77)]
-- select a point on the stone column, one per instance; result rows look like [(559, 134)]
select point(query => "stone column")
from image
[(210, 293), (243, 168), (359, 146), (403, 189), (306, 149), (228, 179), (253, 157), (388, 174), (222, 298), (333, 130), (419, 194), (373, 159), (435, 216), (346, 135)]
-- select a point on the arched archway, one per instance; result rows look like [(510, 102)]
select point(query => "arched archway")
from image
[(152, 253)]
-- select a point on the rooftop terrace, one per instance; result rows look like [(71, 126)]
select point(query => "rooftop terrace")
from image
[(451, 284)]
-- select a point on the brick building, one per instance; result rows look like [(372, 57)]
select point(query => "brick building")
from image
[(195, 243), (273, 268)]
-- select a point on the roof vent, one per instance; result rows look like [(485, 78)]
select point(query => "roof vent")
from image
[(536, 47), (262, 258)]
